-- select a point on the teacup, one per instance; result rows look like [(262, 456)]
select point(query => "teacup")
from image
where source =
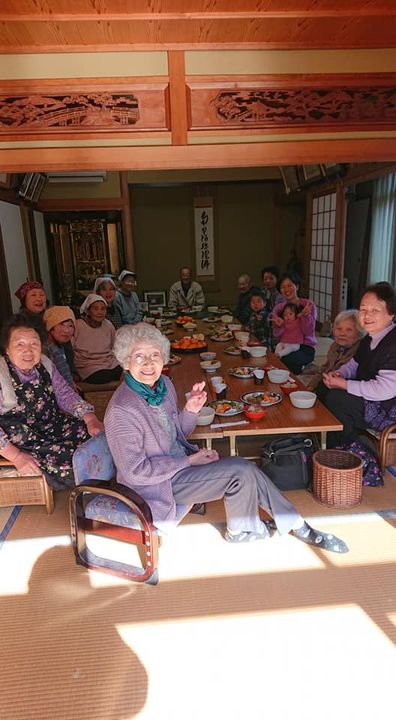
[(221, 391), (258, 376)]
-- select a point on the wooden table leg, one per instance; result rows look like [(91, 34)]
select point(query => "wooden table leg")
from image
[(233, 447)]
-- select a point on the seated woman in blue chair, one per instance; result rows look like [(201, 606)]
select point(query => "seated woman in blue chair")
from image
[(147, 436)]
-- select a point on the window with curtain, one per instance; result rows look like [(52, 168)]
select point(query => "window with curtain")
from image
[(382, 265)]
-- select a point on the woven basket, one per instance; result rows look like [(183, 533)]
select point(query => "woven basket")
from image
[(337, 478)]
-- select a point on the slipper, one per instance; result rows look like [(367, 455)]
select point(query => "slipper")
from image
[(246, 536), (319, 539)]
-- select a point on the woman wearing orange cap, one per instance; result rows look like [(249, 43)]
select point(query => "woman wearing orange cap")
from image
[(60, 323)]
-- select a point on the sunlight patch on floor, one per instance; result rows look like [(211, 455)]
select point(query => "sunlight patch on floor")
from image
[(312, 663), (17, 558)]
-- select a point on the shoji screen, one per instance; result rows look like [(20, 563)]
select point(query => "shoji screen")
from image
[(323, 253)]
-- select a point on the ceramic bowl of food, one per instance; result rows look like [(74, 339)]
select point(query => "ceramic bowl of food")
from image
[(207, 355), (213, 308), (302, 399), (289, 386), (210, 365), (205, 416), (190, 327), (242, 337), (254, 412), (226, 319), (257, 351), (234, 327), (278, 376)]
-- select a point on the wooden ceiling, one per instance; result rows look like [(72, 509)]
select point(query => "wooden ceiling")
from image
[(30, 26)]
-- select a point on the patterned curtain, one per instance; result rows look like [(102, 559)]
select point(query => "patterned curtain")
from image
[(382, 265)]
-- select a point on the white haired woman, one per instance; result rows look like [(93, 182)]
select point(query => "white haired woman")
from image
[(347, 334), (147, 436)]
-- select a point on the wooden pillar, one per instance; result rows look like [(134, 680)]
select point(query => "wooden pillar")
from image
[(126, 214), (177, 97)]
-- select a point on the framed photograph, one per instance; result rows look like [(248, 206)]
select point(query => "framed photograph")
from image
[(5, 180), (312, 172), (155, 298), (290, 178)]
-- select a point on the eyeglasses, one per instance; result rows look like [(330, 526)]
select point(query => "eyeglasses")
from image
[(140, 358)]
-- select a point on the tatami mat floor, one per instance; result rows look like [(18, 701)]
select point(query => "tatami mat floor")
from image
[(269, 630)]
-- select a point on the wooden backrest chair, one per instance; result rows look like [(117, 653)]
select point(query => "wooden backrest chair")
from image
[(99, 505), (98, 395), (385, 442)]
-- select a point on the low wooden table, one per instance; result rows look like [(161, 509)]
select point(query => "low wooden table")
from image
[(282, 418)]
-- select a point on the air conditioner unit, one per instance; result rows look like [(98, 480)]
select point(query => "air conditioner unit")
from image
[(96, 176)]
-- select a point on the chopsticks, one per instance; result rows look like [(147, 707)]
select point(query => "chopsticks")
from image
[(222, 425)]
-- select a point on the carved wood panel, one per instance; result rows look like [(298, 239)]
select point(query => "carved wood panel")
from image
[(86, 110), (244, 107)]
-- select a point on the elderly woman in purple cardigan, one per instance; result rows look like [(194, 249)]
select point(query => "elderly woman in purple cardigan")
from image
[(147, 436)]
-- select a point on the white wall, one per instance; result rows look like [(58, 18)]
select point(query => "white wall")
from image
[(43, 254), (14, 248)]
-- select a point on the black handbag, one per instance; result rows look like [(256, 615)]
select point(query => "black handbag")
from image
[(288, 462)]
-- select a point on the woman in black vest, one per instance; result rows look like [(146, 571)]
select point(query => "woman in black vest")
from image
[(362, 394)]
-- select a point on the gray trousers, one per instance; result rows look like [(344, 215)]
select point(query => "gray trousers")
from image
[(242, 486)]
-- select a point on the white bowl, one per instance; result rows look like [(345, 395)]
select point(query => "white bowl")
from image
[(190, 327), (242, 337), (210, 365), (234, 327), (302, 399), (197, 308), (278, 376), (213, 308), (207, 355), (226, 319), (257, 350), (205, 416)]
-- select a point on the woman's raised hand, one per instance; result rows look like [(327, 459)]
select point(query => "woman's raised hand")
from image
[(307, 309), (203, 457), (277, 320), (197, 398)]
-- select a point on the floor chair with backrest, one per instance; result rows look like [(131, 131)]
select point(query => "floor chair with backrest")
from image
[(100, 506), (385, 442)]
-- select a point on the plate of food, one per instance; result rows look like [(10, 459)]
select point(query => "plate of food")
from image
[(222, 310), (222, 336), (211, 320), (183, 319), (264, 398), (168, 331), (174, 359), (169, 313), (189, 344), (243, 373), (226, 408), (232, 350)]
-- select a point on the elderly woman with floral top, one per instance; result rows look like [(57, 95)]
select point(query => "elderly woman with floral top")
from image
[(42, 419), (147, 436)]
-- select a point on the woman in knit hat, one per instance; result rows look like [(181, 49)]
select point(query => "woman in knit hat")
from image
[(93, 343), (60, 323), (32, 297), (106, 287)]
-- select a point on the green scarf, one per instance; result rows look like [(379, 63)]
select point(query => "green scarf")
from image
[(152, 395)]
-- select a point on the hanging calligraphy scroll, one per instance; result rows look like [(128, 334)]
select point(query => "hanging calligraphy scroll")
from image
[(204, 240)]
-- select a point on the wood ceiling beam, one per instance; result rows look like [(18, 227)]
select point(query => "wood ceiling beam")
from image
[(192, 157)]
